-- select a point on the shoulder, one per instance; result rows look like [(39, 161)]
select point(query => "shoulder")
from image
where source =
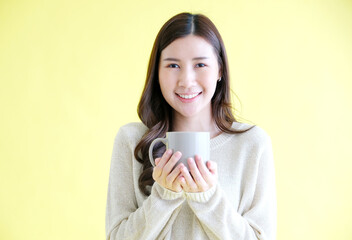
[(134, 127), (253, 133), (131, 132), (255, 141)]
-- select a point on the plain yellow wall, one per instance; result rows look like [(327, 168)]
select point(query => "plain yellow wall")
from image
[(72, 72)]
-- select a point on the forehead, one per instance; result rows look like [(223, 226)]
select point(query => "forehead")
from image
[(190, 46)]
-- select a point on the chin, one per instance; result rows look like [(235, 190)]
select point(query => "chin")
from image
[(189, 114)]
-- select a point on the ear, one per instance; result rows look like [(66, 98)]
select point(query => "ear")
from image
[(219, 74)]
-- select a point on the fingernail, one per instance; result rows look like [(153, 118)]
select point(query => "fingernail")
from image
[(178, 154)]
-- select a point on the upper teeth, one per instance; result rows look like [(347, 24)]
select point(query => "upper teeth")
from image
[(188, 96)]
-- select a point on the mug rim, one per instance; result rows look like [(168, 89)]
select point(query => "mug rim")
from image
[(184, 132)]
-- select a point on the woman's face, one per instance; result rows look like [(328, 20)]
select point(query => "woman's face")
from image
[(188, 73)]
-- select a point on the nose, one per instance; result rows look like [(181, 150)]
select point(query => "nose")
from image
[(187, 78)]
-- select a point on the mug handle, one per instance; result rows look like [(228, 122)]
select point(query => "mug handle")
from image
[(163, 140)]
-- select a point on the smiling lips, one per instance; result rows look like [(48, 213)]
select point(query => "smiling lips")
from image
[(188, 97)]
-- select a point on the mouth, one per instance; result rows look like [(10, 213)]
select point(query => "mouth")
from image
[(188, 96)]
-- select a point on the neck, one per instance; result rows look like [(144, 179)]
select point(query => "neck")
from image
[(195, 124)]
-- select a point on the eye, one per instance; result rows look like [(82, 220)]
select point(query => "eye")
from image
[(173, 65), (200, 65)]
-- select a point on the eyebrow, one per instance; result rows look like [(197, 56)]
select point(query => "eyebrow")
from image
[(178, 60)]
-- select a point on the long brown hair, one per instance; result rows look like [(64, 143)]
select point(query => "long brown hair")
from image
[(155, 112)]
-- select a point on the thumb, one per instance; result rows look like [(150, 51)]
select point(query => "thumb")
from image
[(212, 166)]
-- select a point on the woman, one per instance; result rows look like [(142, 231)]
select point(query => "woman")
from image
[(187, 89)]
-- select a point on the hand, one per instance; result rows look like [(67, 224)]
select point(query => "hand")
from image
[(165, 173), (201, 177)]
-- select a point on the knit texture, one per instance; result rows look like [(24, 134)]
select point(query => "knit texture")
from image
[(241, 206)]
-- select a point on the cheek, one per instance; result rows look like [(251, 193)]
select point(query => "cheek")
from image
[(162, 80), (165, 85), (209, 82), (167, 79), (164, 75), (163, 88)]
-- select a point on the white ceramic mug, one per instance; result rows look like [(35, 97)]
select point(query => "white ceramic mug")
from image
[(188, 143)]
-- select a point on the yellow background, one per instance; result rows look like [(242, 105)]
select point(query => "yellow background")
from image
[(72, 72)]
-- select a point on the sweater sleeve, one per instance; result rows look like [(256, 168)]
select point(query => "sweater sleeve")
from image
[(124, 218), (219, 218)]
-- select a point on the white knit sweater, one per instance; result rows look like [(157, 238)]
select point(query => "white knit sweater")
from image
[(242, 206)]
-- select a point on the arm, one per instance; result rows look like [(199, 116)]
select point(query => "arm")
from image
[(124, 218), (221, 221)]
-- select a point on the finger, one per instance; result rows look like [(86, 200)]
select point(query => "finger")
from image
[(198, 178), (169, 166), (158, 169), (183, 183), (179, 181), (165, 158), (171, 163), (201, 166), (175, 185), (190, 184), (170, 179), (213, 167), (203, 169)]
